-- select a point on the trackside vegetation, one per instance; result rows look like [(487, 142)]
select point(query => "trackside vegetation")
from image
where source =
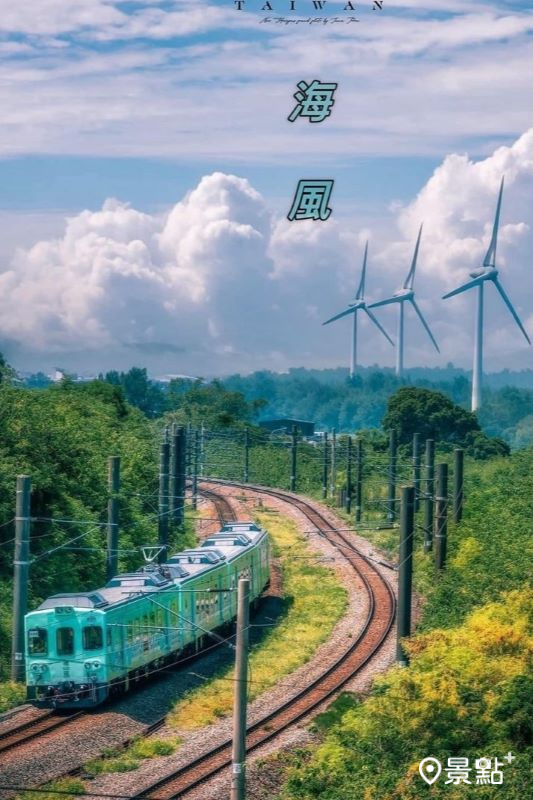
[(469, 688)]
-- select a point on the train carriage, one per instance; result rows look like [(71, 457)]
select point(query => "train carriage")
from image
[(84, 647)]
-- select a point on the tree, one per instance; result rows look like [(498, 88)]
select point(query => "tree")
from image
[(411, 410)]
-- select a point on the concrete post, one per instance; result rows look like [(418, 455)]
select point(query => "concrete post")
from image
[(405, 571), (391, 502), (458, 484), (21, 574), (113, 482), (428, 500), (163, 516), (441, 516), (294, 454), (240, 692)]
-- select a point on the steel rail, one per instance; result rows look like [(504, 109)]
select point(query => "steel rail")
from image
[(379, 620)]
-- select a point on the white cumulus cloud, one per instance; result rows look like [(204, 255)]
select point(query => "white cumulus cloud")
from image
[(219, 284)]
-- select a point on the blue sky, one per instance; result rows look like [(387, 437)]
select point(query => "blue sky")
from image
[(140, 100)]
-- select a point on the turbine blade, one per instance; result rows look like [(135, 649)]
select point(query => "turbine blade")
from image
[(490, 258), (339, 316), (386, 302), (464, 288), (378, 324), (411, 274), (424, 323), (361, 290), (511, 308)]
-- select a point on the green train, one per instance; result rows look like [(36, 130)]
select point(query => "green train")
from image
[(84, 647)]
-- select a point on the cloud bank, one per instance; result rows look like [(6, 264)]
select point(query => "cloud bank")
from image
[(220, 284)]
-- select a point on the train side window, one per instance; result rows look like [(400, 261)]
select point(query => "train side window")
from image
[(93, 638), (38, 642), (109, 637), (65, 641)]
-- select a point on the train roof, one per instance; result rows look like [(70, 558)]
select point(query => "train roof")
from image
[(76, 599), (239, 526), (218, 549)]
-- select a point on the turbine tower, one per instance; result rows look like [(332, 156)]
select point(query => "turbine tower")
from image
[(359, 305), (487, 272), (406, 295)]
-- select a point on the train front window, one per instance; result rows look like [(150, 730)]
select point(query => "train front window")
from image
[(37, 642), (65, 641), (93, 638)]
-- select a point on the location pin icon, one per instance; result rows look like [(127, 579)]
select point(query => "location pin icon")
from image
[(430, 769)]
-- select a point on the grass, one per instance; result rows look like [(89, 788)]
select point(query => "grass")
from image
[(68, 787), (314, 600), (117, 760), (11, 695)]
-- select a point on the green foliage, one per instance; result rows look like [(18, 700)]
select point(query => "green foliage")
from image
[(332, 400), (68, 788), (449, 702), (129, 759), (411, 410), (469, 689), (491, 551), (209, 404), (62, 437), (11, 694)]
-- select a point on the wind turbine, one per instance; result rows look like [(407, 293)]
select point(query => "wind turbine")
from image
[(487, 272), (406, 295), (359, 305)]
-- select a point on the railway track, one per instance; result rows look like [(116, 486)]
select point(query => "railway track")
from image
[(20, 735), (379, 620), (224, 509)]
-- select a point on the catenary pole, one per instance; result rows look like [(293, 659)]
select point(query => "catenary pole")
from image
[(113, 482), (391, 503), (416, 468), (441, 516), (246, 455), (238, 755), (294, 455), (359, 480), (428, 500), (458, 484), (325, 468), (405, 571), (349, 487), (333, 470), (182, 473), (21, 574), (163, 516), (174, 470), (195, 453)]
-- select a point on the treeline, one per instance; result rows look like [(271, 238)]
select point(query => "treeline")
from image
[(332, 400)]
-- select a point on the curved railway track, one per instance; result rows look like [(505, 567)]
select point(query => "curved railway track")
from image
[(379, 620), (20, 735), (224, 509)]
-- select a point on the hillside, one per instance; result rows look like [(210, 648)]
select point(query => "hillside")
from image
[(468, 691)]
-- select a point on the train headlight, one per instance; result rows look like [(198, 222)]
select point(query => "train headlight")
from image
[(92, 665), (37, 668)]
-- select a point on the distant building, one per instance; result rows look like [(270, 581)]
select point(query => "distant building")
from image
[(285, 426)]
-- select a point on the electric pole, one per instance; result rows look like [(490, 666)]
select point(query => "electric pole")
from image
[(21, 572), (405, 571), (163, 516), (238, 755), (113, 482)]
